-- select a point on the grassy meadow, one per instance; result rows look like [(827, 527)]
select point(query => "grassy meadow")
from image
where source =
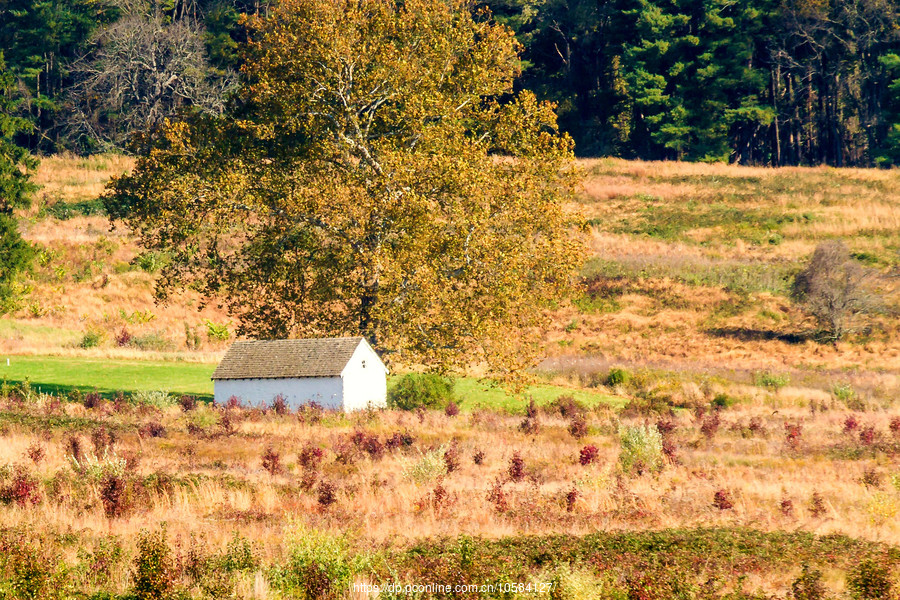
[(689, 437)]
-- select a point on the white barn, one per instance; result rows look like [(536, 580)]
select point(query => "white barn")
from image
[(338, 373)]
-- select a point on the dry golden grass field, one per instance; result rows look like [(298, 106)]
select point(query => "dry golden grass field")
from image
[(741, 459)]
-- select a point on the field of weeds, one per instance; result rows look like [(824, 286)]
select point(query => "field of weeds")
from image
[(264, 503), (691, 439)]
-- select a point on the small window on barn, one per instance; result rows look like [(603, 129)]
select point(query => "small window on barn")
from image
[(364, 364)]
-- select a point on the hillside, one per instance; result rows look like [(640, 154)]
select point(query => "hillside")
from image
[(686, 270)]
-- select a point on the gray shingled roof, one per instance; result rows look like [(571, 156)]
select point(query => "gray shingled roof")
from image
[(277, 359)]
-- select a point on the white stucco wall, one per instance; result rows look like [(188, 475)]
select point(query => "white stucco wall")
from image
[(364, 385), (327, 391)]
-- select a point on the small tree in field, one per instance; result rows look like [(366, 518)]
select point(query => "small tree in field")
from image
[(835, 289), (365, 179)]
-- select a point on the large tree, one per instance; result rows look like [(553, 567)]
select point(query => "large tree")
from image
[(15, 191), (373, 175)]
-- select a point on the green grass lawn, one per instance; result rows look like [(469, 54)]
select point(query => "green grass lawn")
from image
[(57, 374)]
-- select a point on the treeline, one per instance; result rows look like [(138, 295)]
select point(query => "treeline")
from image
[(776, 82)]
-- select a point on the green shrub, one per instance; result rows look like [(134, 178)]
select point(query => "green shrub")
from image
[(91, 339), (808, 586), (425, 390), (843, 392), (158, 399), (723, 401), (154, 577), (870, 580), (153, 341), (641, 449), (239, 555), (428, 467), (618, 376), (770, 380), (217, 332), (151, 262), (320, 565)]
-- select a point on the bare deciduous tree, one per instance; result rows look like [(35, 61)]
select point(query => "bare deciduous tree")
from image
[(836, 289), (139, 71)]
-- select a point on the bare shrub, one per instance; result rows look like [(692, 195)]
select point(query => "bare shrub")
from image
[(451, 457), (578, 427), (497, 496), (817, 505), (835, 289), (114, 495), (103, 440), (35, 453)]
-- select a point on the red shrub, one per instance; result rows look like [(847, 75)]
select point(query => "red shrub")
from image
[(756, 426), (368, 443), (850, 424), (73, 448), (787, 507), (529, 426), (589, 454), (400, 440), (23, 489), (670, 449), (233, 402), (311, 413), (571, 499), (710, 425), (280, 405), (310, 457), (92, 400), (792, 436), (271, 461), (452, 409), (895, 426), (722, 500), (867, 435), (153, 429), (123, 337), (665, 427), (103, 440), (187, 403), (478, 457), (114, 495)]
